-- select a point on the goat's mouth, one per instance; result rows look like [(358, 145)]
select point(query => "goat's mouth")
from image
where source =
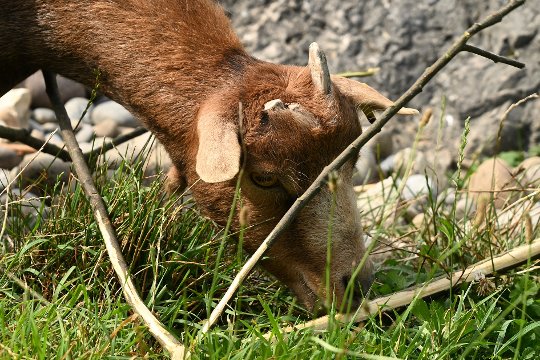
[(346, 294)]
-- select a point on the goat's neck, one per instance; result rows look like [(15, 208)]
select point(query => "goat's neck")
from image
[(158, 58)]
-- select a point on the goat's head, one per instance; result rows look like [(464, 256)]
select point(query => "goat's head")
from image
[(296, 120)]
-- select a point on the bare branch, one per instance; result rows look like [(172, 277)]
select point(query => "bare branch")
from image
[(23, 136), (353, 149), (515, 257), (496, 58), (166, 339), (366, 73)]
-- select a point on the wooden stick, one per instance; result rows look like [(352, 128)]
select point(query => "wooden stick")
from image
[(23, 136), (494, 57), (510, 259), (165, 338), (352, 150)]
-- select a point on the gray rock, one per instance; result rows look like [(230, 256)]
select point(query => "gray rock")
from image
[(57, 140), (43, 171), (359, 35), (419, 187), (33, 124), (107, 128), (26, 207), (85, 133), (110, 110), (366, 170), (447, 197), (75, 107), (68, 89), (387, 165), (9, 158), (43, 115), (50, 127)]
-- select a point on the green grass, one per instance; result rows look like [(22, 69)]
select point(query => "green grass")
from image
[(173, 251)]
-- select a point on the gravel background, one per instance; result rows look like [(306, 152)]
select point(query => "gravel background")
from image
[(404, 37)]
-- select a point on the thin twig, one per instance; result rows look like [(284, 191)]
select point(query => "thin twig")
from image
[(166, 339), (496, 58), (366, 73), (511, 259), (353, 149), (23, 136)]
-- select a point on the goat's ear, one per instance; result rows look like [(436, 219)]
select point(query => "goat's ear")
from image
[(218, 156), (366, 98)]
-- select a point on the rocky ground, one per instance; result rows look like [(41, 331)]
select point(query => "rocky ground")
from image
[(405, 168), (402, 38)]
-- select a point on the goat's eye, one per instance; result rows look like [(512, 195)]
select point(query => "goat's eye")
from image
[(265, 180)]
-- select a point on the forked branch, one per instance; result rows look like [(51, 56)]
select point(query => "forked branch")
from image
[(459, 45)]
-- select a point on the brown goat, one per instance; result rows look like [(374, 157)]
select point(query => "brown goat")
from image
[(178, 66)]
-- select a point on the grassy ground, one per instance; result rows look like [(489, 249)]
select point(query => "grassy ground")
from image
[(70, 305)]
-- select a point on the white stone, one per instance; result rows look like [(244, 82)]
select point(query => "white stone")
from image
[(110, 110), (16, 103)]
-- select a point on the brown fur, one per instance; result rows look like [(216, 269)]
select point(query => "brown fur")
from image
[(172, 62)]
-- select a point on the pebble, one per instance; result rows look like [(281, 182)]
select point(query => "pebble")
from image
[(419, 186), (15, 105), (110, 110), (45, 167), (447, 197), (387, 165), (8, 117), (57, 140), (9, 158), (26, 207), (85, 133), (107, 128), (38, 134), (43, 115), (529, 169), (50, 127), (491, 178), (75, 107)]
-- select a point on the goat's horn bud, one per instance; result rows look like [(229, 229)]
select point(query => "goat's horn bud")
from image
[(275, 104), (320, 75)]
